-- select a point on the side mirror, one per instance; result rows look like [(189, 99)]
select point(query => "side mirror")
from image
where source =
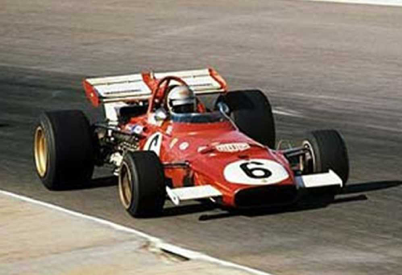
[(223, 108), (161, 114)]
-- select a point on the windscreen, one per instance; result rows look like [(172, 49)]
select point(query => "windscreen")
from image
[(211, 117)]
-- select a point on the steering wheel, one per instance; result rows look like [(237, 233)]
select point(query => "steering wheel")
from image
[(161, 88)]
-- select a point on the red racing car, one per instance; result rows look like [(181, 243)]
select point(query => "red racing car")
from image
[(163, 142)]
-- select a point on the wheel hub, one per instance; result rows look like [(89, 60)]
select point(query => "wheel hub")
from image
[(41, 151)]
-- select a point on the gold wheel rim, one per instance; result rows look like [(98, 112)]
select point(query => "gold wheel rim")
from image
[(125, 190), (41, 151)]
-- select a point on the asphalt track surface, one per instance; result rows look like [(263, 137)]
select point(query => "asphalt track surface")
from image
[(322, 65)]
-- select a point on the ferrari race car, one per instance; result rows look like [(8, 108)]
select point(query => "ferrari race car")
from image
[(225, 153)]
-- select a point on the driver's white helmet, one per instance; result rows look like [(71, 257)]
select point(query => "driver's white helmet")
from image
[(181, 99)]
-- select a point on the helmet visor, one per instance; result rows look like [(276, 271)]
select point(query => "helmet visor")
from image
[(184, 108)]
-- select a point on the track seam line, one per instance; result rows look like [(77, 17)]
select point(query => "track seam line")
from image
[(289, 113), (158, 243)]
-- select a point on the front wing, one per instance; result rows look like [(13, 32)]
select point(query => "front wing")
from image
[(177, 195)]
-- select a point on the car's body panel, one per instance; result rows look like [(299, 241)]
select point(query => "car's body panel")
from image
[(209, 149)]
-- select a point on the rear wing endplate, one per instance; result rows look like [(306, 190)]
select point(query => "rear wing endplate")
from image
[(137, 87)]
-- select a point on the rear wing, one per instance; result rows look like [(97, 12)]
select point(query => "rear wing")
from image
[(138, 87)]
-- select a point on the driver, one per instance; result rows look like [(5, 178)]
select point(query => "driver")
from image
[(181, 99)]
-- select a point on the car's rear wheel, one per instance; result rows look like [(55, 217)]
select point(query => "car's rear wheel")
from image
[(141, 186), (252, 113), (63, 149)]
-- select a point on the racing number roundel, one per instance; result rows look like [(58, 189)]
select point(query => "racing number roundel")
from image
[(255, 172), (154, 143)]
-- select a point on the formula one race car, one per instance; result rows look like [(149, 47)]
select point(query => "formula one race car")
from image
[(162, 142)]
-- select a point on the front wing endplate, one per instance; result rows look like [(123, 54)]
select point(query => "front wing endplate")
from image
[(192, 193), (319, 180)]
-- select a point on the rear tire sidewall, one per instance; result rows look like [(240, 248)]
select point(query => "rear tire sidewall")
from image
[(49, 178)]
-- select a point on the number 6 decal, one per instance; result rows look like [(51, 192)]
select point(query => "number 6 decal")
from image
[(154, 143), (255, 172)]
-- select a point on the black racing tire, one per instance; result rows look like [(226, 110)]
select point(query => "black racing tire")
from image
[(251, 111), (328, 151), (142, 188), (63, 149)]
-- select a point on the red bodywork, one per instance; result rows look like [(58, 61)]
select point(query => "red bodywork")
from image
[(195, 144)]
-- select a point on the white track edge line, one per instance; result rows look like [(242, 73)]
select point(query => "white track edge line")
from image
[(364, 2), (186, 253)]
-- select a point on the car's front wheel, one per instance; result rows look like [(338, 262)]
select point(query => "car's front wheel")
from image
[(141, 186), (327, 150)]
